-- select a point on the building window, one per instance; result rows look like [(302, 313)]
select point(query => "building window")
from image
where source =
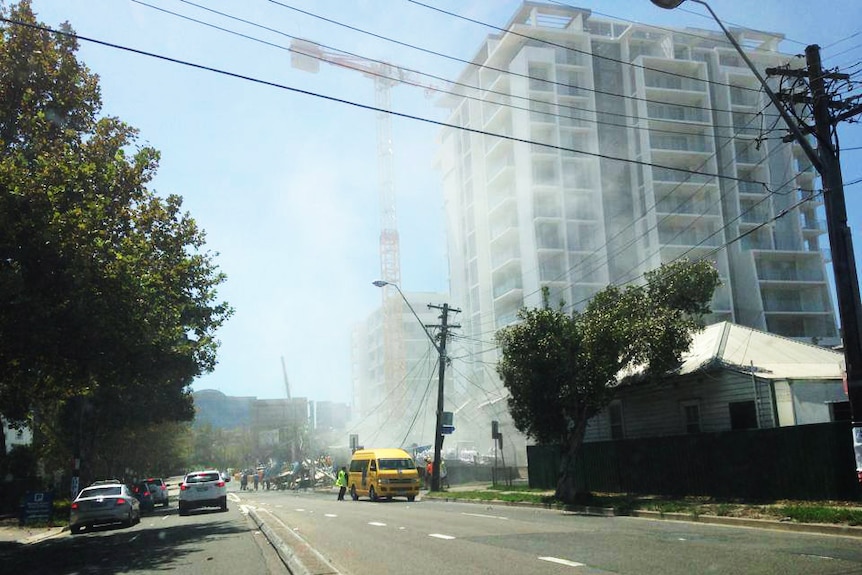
[(743, 415), (691, 416), (615, 415), (839, 411)]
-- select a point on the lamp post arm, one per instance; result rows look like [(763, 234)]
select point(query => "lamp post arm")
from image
[(788, 119), (382, 283)]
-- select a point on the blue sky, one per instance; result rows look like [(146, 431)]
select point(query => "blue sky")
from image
[(285, 183)]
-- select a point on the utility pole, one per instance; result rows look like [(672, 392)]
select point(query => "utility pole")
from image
[(840, 240), (438, 429)]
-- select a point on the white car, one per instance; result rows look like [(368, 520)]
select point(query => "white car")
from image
[(202, 489)]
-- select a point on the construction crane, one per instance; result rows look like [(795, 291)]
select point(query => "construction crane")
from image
[(286, 382), (307, 55)]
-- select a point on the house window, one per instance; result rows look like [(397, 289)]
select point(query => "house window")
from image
[(839, 411), (743, 415), (615, 415), (691, 416)]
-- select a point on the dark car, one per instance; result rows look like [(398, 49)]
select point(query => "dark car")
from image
[(144, 493), (159, 489)]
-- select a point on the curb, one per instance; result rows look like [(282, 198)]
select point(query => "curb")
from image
[(299, 559), (815, 528)]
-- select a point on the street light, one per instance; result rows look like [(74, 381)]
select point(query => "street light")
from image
[(825, 160), (441, 352)]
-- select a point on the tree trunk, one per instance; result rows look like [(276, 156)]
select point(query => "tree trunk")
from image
[(567, 485)]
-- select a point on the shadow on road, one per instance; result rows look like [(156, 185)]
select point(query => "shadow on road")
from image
[(119, 551)]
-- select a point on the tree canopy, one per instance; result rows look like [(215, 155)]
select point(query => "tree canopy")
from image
[(108, 297), (561, 369)]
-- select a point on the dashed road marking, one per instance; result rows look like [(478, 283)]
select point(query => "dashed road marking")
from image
[(562, 561), (440, 536), (377, 524), (486, 516), (330, 515)]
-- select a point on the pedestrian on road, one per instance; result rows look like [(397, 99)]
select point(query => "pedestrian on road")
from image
[(341, 483), (243, 482), (429, 472), (256, 480)]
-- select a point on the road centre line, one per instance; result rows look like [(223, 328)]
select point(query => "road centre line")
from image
[(562, 561), (377, 524), (486, 516), (440, 536)]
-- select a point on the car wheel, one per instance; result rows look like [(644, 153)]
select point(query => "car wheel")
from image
[(411, 498), (372, 495), (182, 508), (353, 494), (74, 529), (224, 503), (128, 521)]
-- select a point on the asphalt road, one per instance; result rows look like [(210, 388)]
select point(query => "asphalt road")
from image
[(206, 542), (396, 536)]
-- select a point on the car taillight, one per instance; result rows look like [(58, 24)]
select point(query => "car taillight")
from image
[(74, 505), (220, 483), (183, 486), (121, 501), (137, 489)]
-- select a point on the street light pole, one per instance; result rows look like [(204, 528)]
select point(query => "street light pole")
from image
[(825, 161), (441, 352)]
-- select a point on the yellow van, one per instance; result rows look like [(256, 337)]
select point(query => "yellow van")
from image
[(382, 473)]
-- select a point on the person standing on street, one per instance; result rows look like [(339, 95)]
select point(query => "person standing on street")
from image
[(341, 483)]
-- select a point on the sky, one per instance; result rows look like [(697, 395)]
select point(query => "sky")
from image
[(282, 172)]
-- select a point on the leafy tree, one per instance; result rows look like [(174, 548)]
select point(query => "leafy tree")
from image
[(561, 369), (108, 301)]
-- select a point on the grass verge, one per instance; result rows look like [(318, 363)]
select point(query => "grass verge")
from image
[(834, 512)]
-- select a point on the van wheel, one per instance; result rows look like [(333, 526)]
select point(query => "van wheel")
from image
[(353, 494), (372, 495)]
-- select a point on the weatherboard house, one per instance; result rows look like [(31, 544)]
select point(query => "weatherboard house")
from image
[(732, 378)]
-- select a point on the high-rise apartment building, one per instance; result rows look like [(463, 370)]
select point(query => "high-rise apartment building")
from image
[(597, 150), (397, 413)]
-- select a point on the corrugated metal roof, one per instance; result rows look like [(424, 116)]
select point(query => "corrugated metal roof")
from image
[(733, 346)]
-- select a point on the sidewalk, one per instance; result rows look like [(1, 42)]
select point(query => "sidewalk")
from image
[(12, 532)]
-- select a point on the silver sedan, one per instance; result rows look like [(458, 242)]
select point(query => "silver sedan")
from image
[(104, 504)]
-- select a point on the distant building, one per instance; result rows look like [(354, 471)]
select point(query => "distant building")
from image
[(221, 411), (331, 415), (389, 413)]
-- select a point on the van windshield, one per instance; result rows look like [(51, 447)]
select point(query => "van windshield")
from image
[(397, 464)]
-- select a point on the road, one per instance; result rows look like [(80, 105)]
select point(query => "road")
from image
[(394, 536), (206, 542), (355, 538)]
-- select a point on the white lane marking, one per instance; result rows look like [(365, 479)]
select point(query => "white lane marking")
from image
[(377, 524), (165, 517), (300, 509), (440, 536), (234, 497), (562, 561), (246, 508), (486, 516), (330, 515)]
